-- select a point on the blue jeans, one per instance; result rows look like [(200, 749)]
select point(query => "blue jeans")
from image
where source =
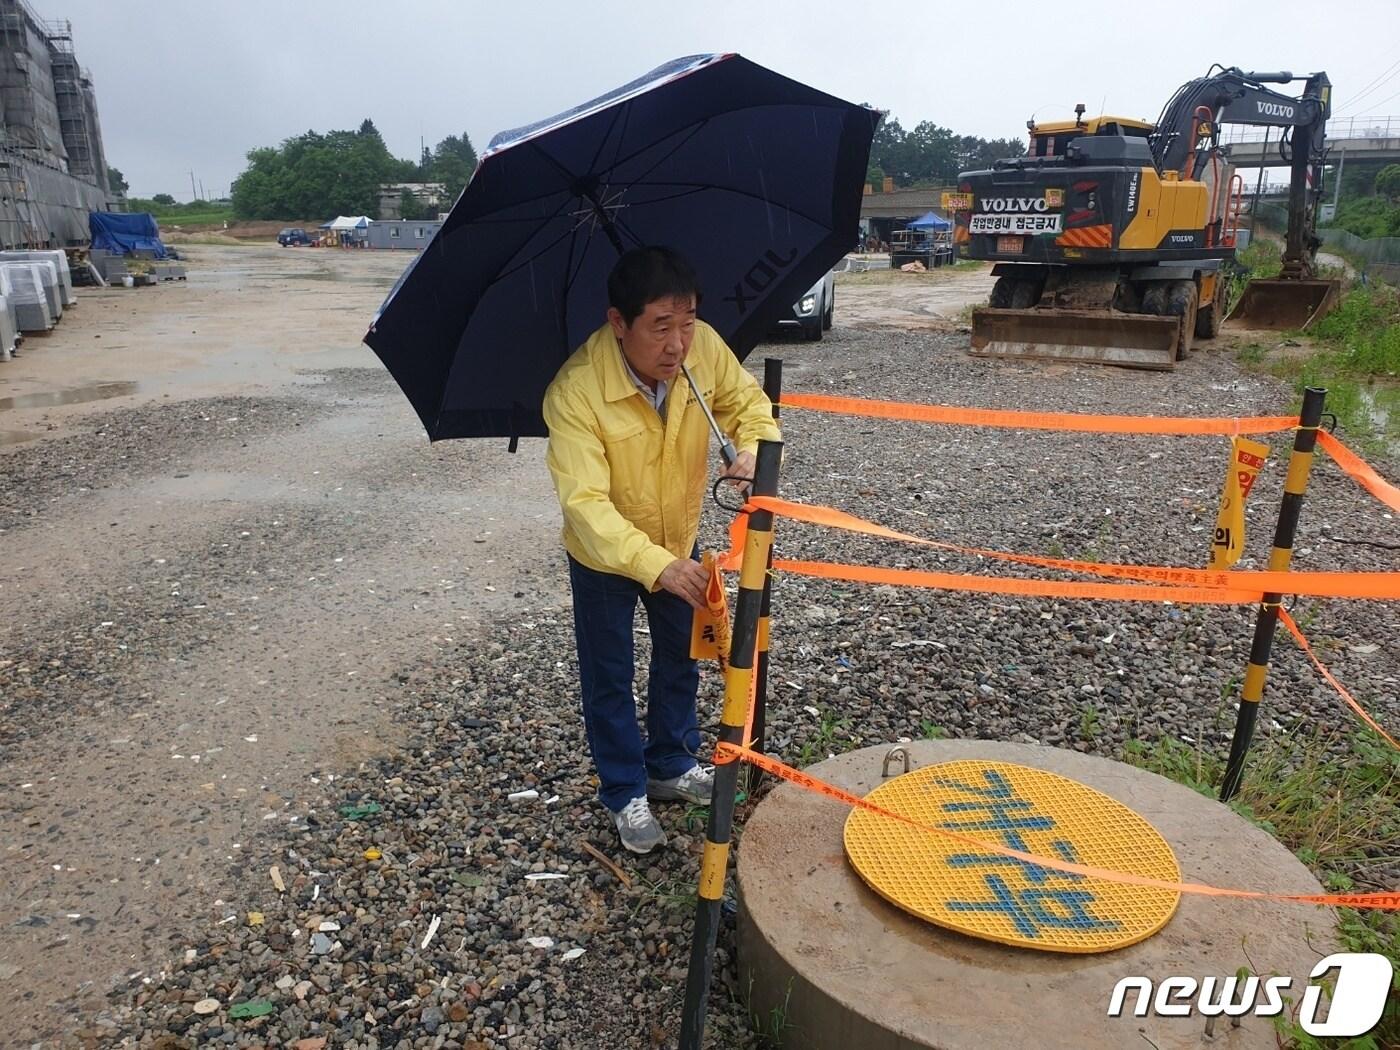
[(604, 604)]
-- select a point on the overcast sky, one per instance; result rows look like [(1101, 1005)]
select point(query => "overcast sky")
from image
[(192, 85)]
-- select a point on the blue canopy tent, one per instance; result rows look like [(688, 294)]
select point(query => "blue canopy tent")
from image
[(123, 233), (929, 221)]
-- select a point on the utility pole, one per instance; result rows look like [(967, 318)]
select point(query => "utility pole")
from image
[(201, 189), (192, 190), (1258, 186)]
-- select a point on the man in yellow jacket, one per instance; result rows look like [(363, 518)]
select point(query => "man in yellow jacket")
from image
[(629, 454)]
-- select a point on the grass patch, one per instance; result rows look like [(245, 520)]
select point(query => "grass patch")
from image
[(830, 736), (1355, 355), (208, 217), (1341, 819), (1365, 330)]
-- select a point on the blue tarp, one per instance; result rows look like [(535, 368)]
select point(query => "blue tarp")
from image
[(929, 221), (122, 233)]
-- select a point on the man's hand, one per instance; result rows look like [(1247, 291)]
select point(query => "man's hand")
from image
[(685, 579), (743, 467)]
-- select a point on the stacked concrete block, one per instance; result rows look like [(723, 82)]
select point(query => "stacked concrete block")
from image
[(59, 259), (30, 300), (112, 267), (9, 334), (7, 292), (52, 285)]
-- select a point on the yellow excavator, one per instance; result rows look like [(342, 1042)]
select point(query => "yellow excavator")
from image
[(1113, 240)]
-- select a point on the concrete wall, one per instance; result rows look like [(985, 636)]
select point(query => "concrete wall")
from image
[(53, 169), (73, 118), (27, 85), (44, 208), (94, 130)]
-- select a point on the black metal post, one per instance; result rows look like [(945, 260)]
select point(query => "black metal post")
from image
[(1295, 487), (773, 387), (714, 862)]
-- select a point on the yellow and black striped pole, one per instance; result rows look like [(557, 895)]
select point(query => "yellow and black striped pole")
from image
[(714, 862), (1294, 488), (773, 387)]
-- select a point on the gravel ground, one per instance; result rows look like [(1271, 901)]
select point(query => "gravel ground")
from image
[(343, 954), (133, 443)]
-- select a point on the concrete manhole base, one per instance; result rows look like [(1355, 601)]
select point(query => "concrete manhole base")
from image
[(833, 966)]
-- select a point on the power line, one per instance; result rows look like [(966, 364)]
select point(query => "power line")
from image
[(1389, 75), (1372, 83), (1383, 101)]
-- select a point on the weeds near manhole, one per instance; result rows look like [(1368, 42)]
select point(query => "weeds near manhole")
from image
[(1341, 817), (830, 739), (1089, 722), (670, 895), (770, 1029), (929, 731)]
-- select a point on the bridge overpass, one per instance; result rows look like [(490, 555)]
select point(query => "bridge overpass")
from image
[(1360, 138)]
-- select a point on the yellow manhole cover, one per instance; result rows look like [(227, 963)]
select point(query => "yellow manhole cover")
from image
[(999, 898)]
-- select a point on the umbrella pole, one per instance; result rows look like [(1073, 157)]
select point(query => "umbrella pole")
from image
[(726, 447), (714, 862)]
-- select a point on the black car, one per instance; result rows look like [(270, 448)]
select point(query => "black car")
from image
[(293, 235)]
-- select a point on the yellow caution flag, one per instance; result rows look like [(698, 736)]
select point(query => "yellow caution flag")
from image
[(1246, 460), (709, 628)]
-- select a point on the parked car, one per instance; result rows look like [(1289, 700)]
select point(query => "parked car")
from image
[(813, 313), (292, 236)]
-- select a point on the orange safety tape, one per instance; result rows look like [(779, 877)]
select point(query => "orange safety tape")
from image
[(1359, 470), (947, 581), (986, 417), (748, 737), (987, 584), (955, 581), (1341, 690), (1374, 585), (725, 753)]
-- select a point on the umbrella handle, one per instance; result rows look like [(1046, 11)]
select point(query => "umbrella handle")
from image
[(726, 447)]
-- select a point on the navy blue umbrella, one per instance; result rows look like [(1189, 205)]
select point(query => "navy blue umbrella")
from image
[(755, 178)]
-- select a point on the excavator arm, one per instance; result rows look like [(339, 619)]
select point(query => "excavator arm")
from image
[(1233, 96)]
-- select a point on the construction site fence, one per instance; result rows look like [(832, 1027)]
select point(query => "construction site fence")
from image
[(1377, 256)]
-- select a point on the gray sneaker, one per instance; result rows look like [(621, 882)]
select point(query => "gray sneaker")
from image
[(695, 785), (638, 829)]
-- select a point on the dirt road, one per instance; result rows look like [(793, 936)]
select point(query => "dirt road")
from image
[(190, 642), (892, 298), (224, 535)]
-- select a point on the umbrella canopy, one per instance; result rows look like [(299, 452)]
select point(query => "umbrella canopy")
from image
[(755, 178)]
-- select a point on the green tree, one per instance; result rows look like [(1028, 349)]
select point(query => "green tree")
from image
[(163, 198), (314, 174), (410, 208), (933, 154), (116, 181), (1388, 182), (453, 162)]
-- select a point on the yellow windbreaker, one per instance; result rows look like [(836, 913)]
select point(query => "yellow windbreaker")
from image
[(631, 486)]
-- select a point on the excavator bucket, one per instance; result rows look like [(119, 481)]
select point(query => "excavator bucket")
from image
[(1285, 304), (1093, 336)]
